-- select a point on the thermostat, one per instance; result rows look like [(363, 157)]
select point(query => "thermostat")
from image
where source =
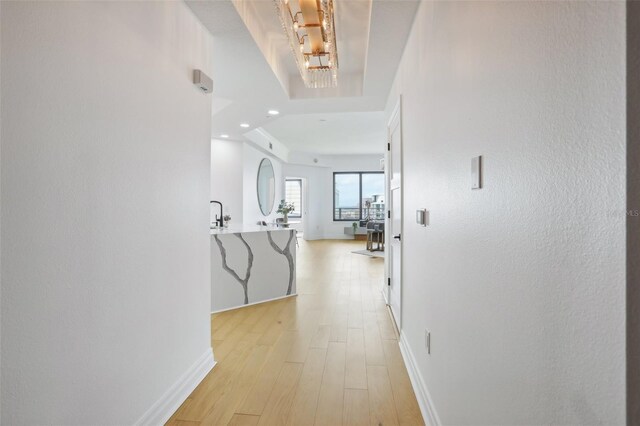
[(202, 81)]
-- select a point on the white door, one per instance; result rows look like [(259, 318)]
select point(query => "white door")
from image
[(394, 222)]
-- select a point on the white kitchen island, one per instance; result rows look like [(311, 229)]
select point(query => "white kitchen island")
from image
[(251, 264)]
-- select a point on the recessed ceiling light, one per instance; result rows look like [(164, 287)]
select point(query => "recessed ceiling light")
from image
[(322, 119), (224, 136), (273, 112), (245, 125)]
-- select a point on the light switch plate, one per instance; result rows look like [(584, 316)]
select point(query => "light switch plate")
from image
[(476, 172), (422, 217), (427, 341)]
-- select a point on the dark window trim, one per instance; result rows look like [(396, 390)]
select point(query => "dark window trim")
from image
[(333, 195), (299, 216)]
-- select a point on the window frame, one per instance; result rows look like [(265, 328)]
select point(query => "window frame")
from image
[(333, 195), (299, 180)]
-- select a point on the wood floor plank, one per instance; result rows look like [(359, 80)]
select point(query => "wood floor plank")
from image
[(305, 403), (243, 420), (278, 407), (238, 334), (269, 317), (381, 405), (256, 314), (299, 347), (258, 396), (404, 398), (387, 329), (330, 400), (355, 315), (321, 337), (185, 404), (356, 407), (234, 318), (355, 370), (217, 320), (214, 385), (339, 326), (238, 388), (181, 423), (372, 340)]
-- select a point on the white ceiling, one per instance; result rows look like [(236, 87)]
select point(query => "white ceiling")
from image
[(254, 71), (331, 133)]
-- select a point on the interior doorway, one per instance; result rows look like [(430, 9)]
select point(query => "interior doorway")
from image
[(394, 217)]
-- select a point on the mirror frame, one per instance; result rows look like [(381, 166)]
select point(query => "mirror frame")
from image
[(273, 198)]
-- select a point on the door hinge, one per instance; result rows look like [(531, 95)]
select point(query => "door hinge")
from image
[(389, 282), (388, 146), (388, 214)]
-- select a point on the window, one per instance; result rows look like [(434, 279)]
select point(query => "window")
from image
[(293, 194), (358, 196)]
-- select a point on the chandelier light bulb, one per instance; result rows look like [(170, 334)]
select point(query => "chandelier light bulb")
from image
[(302, 47), (324, 24), (306, 64), (326, 46), (296, 25), (329, 63)]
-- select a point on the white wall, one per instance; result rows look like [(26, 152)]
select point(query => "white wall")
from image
[(318, 221), (0, 224), (251, 161), (226, 178), (105, 177), (521, 283), (633, 217)]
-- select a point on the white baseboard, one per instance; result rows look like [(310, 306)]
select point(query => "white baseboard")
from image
[(253, 303), (384, 295), (427, 408), (171, 400)]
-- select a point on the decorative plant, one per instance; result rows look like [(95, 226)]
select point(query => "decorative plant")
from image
[(355, 226), (285, 208), (227, 218)]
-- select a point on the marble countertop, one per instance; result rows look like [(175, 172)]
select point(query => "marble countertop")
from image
[(241, 229)]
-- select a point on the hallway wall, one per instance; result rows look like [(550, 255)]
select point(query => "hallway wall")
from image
[(105, 177), (633, 213), (521, 283), (227, 163)]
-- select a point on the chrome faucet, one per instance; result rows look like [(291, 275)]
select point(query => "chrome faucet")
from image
[(219, 221)]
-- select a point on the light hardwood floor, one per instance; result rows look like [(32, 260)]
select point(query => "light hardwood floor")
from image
[(328, 356)]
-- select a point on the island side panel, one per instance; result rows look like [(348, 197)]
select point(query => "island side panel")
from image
[(269, 273)]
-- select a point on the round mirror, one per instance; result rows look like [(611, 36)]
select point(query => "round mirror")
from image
[(266, 186)]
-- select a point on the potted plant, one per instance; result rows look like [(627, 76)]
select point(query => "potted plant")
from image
[(355, 227), (226, 219), (285, 208)]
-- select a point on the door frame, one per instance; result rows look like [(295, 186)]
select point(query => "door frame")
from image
[(396, 114)]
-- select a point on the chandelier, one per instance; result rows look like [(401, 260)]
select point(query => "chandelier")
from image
[(310, 28)]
